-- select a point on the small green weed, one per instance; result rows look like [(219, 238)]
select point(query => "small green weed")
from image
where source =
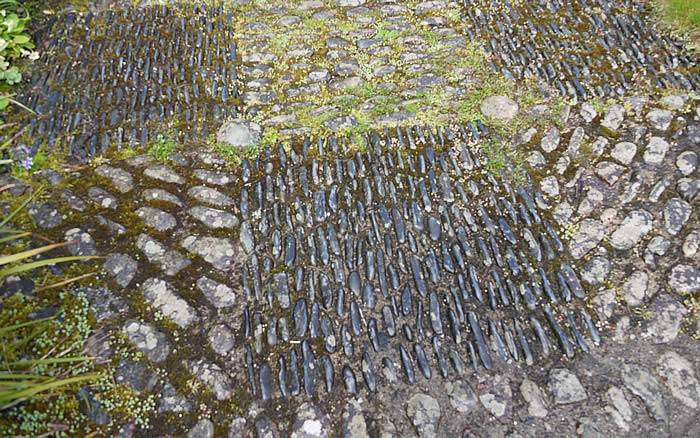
[(163, 148)]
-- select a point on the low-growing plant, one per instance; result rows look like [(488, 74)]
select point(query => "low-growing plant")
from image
[(15, 44), (163, 148), (35, 353)]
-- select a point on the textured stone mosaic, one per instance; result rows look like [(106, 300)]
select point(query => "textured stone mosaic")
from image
[(582, 48), (406, 259), (120, 76)]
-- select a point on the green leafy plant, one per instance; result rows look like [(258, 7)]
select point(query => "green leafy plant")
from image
[(163, 148), (24, 375), (681, 17), (15, 43), (18, 378)]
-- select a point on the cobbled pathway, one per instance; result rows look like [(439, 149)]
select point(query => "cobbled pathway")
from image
[(406, 287)]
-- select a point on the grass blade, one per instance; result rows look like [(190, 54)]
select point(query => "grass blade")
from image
[(18, 209), (10, 329), (32, 363), (38, 264), (65, 282), (14, 237), (29, 253), (11, 398)]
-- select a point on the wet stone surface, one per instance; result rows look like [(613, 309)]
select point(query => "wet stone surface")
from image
[(141, 75), (402, 285)]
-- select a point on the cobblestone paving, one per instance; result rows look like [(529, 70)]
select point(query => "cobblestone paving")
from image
[(321, 67), (581, 48), (242, 279), (111, 78), (411, 283)]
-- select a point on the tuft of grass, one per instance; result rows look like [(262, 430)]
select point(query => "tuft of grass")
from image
[(503, 160), (387, 35), (163, 148), (683, 17), (234, 155)]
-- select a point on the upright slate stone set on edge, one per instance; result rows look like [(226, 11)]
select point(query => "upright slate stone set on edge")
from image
[(407, 258), (108, 77), (583, 48)]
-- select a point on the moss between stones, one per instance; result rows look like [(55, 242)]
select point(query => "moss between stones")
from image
[(463, 65)]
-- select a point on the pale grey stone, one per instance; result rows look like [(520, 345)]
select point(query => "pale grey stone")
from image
[(549, 186), (203, 429), (83, 243), (111, 226), (551, 139), (691, 244), (635, 288), (237, 428), (246, 238), (170, 261), (645, 386), (678, 375), (265, 428), (624, 152), (685, 279), (349, 3), (122, 267), (461, 395), (656, 150), (214, 377), (497, 397), (171, 401), (565, 387), (588, 235), (220, 252), (619, 408), (214, 178), (588, 112), (157, 219), (214, 218), (162, 296), (354, 424), (160, 195), (658, 245), (424, 413), (596, 270), (310, 422), (210, 196), (593, 200), (218, 294), (221, 339), (101, 197), (632, 229), (614, 117), (148, 340), (319, 75), (563, 212), (562, 164), (535, 398), (598, 146), (666, 318), (499, 107), (660, 118), (575, 141), (609, 171), (120, 178), (163, 173), (674, 102), (525, 136), (676, 214), (687, 162), (345, 83)]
